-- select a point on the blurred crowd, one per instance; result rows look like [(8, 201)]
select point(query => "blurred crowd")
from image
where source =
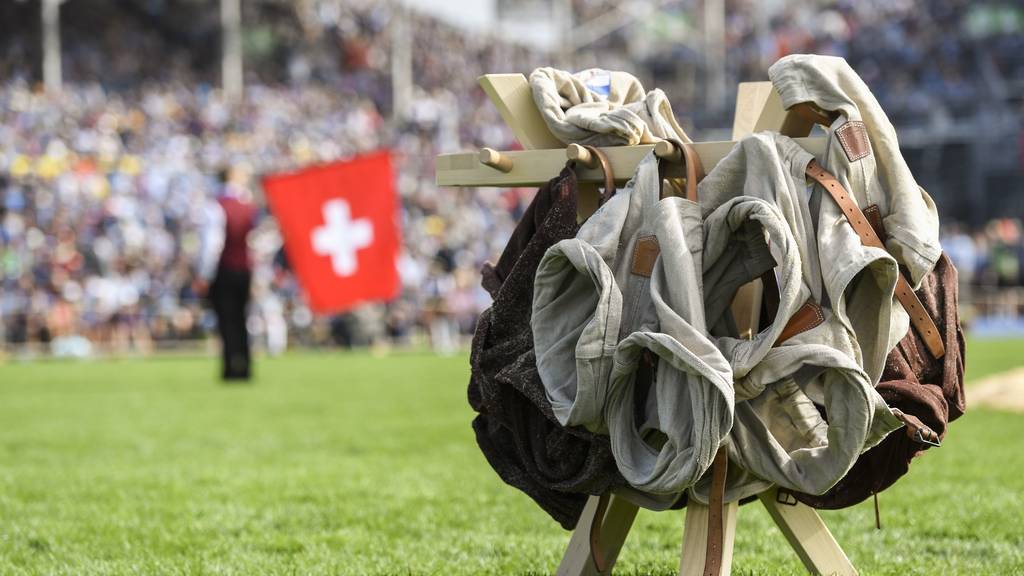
[(102, 186), (925, 60), (102, 191), (990, 263)]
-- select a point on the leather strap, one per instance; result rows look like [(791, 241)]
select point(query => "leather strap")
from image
[(606, 169), (874, 215), (919, 317), (808, 316), (694, 170), (720, 465), (716, 508), (916, 430)]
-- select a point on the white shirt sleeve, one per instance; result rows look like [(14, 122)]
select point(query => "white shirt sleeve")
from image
[(211, 240)]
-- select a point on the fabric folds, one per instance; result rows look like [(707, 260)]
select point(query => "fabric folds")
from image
[(778, 435), (598, 310), (929, 390), (602, 108), (881, 177), (516, 429)]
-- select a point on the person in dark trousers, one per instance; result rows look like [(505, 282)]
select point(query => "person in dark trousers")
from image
[(225, 269)]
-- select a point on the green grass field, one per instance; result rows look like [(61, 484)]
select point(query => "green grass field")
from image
[(351, 464)]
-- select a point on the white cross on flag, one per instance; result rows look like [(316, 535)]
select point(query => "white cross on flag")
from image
[(339, 227), (341, 237)]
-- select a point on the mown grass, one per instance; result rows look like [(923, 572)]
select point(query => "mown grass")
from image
[(992, 356), (350, 464)]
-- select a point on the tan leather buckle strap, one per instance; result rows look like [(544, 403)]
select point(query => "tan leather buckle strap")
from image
[(919, 317), (606, 169), (694, 170), (716, 512), (916, 430)]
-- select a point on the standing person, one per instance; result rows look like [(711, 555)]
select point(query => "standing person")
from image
[(225, 268)]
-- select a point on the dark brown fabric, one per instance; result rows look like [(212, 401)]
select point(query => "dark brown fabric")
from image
[(927, 389), (516, 429)]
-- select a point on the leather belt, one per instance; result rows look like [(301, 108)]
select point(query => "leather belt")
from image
[(806, 317), (919, 317), (694, 170), (716, 513), (606, 170), (916, 430)]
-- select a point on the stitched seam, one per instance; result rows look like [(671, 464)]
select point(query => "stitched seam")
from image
[(804, 325), (812, 321)]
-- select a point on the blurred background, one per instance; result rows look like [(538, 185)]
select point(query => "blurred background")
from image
[(115, 116)]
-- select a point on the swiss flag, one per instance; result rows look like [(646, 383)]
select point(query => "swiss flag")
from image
[(340, 232)]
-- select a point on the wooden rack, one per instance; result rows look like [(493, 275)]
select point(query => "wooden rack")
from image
[(758, 107)]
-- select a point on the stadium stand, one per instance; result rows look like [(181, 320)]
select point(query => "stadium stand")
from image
[(100, 186)]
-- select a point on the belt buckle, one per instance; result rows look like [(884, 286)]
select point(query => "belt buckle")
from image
[(919, 437), (785, 497)]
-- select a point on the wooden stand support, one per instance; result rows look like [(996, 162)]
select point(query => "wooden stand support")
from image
[(758, 107), (614, 526), (807, 535)]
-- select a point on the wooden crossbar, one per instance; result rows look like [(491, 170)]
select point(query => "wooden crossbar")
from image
[(536, 167)]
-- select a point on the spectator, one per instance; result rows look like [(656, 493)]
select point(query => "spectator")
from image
[(225, 259)]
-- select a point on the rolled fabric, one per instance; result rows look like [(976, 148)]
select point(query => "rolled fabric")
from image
[(779, 433), (863, 154), (602, 108), (628, 285)]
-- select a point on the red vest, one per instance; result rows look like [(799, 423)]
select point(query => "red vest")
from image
[(239, 219)]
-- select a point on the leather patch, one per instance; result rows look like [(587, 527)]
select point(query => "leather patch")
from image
[(853, 137), (808, 316), (645, 253), (874, 215)]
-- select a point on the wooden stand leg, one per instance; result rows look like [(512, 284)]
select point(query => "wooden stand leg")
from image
[(695, 538), (615, 525), (807, 535)]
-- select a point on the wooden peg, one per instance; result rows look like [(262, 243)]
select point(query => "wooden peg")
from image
[(668, 151), (578, 153), (495, 159)]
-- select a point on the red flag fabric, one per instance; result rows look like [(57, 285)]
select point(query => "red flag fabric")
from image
[(340, 232)]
